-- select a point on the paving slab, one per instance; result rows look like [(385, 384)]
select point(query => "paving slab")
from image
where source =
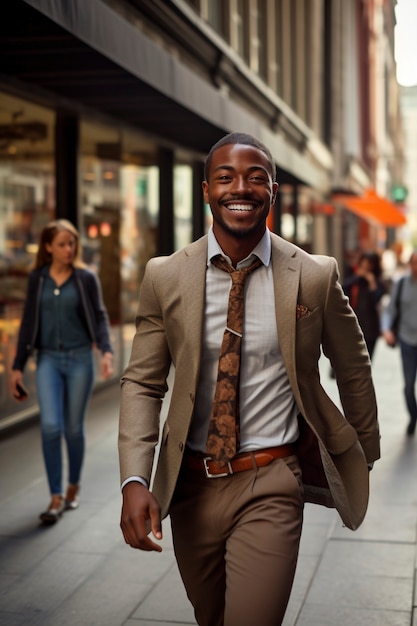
[(80, 572)]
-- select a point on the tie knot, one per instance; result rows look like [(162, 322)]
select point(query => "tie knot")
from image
[(238, 275)]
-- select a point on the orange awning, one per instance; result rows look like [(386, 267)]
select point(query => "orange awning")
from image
[(373, 208)]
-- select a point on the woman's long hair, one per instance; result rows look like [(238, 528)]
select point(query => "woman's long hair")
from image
[(374, 260), (48, 234)]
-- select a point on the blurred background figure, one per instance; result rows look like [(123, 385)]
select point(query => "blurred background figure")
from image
[(64, 317), (399, 324), (364, 288)]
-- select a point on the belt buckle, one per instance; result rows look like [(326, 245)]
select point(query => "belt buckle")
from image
[(210, 475)]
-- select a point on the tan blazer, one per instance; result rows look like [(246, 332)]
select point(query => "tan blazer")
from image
[(333, 448)]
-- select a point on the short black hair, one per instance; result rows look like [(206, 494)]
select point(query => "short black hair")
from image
[(245, 140)]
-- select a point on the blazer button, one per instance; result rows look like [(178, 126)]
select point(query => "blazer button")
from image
[(181, 446)]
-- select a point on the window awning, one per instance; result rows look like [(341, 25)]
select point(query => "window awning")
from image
[(372, 208)]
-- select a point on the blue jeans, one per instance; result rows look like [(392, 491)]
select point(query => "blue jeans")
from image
[(409, 363), (64, 382)]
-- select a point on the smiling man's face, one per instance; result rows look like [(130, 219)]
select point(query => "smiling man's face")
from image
[(240, 191)]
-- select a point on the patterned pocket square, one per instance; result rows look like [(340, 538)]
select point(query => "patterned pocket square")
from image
[(302, 311)]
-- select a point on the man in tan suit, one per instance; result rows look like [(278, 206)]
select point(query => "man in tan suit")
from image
[(236, 528)]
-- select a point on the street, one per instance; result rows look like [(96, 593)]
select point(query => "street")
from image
[(80, 572)]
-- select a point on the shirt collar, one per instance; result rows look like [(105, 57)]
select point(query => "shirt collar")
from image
[(262, 250)]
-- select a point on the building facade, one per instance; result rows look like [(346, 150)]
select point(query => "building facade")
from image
[(409, 191), (108, 108)]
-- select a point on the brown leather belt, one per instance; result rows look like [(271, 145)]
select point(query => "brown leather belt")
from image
[(240, 463)]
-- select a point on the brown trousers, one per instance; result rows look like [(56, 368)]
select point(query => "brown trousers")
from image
[(236, 541)]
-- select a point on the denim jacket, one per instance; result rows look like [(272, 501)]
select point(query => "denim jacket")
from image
[(92, 311)]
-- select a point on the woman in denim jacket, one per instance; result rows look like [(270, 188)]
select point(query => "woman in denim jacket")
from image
[(64, 318)]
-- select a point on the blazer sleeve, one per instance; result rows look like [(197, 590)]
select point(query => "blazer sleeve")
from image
[(144, 382), (344, 344)]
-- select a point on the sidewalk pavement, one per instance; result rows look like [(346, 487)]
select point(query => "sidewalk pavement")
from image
[(80, 572)]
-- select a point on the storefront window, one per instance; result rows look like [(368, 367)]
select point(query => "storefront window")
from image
[(183, 210), (140, 193), (118, 222), (208, 217), (305, 218), (139, 221), (297, 218), (100, 217), (288, 228), (120, 208), (26, 205)]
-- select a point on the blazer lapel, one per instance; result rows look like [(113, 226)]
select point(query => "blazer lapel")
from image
[(286, 270), (192, 288)]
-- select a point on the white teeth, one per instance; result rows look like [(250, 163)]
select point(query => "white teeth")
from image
[(240, 207)]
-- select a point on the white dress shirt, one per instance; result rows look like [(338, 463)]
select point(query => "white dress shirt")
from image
[(267, 407)]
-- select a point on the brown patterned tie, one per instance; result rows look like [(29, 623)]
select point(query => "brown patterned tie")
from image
[(224, 429)]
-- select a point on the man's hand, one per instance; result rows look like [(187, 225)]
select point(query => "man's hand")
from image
[(139, 506)]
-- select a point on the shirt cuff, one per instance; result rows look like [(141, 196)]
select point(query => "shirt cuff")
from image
[(136, 479)]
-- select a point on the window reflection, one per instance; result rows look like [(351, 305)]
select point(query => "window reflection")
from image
[(140, 194), (120, 208), (183, 210), (27, 204)]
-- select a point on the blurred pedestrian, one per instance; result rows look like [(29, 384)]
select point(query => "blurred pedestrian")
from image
[(64, 317), (399, 324), (250, 433), (365, 289)]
